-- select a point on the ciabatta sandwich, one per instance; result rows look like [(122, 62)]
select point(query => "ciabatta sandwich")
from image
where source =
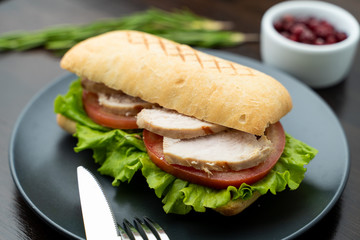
[(204, 131)]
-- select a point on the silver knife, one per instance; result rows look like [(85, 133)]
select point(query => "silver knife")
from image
[(99, 221)]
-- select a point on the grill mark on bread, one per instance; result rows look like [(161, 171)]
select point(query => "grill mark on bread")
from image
[(249, 72), (128, 34), (145, 41), (142, 39), (180, 53), (199, 60), (217, 65), (163, 46), (233, 67)]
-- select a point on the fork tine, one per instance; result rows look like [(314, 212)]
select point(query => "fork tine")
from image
[(156, 228), (132, 230), (123, 234), (141, 226)]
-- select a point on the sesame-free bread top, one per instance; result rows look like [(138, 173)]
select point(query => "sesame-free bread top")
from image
[(179, 77)]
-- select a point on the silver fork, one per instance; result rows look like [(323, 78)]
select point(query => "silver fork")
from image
[(142, 229)]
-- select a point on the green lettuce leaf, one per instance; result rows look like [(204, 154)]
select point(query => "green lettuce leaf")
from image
[(121, 154), (70, 106)]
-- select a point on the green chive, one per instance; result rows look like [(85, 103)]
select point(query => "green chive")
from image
[(180, 25)]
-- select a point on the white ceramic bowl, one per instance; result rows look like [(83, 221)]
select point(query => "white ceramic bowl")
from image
[(316, 65)]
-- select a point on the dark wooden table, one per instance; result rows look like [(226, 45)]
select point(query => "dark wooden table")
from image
[(24, 74)]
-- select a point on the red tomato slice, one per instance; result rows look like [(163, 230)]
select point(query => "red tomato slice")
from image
[(219, 180), (104, 118)]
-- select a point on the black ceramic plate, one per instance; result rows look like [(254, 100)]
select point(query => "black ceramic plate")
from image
[(43, 165)]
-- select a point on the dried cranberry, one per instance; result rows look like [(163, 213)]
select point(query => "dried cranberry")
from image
[(307, 36), (294, 37), (324, 31), (327, 25), (285, 34), (288, 25), (298, 29), (340, 36), (278, 26), (312, 23), (319, 41), (288, 18), (308, 30), (330, 39)]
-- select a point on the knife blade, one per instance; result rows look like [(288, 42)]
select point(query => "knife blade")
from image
[(99, 221)]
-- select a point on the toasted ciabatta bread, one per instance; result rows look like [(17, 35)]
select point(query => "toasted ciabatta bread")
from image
[(229, 209), (178, 77), (66, 123)]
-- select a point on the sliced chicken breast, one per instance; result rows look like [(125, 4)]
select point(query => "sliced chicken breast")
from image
[(225, 151), (96, 87), (174, 125), (123, 104), (116, 101)]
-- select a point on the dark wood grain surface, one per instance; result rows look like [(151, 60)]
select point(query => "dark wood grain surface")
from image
[(23, 74)]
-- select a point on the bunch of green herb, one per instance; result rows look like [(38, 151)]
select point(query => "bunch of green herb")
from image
[(181, 26)]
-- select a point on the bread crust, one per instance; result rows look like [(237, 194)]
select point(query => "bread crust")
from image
[(237, 206), (65, 123), (179, 77)]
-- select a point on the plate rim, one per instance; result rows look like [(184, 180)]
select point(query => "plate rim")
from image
[(11, 159)]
